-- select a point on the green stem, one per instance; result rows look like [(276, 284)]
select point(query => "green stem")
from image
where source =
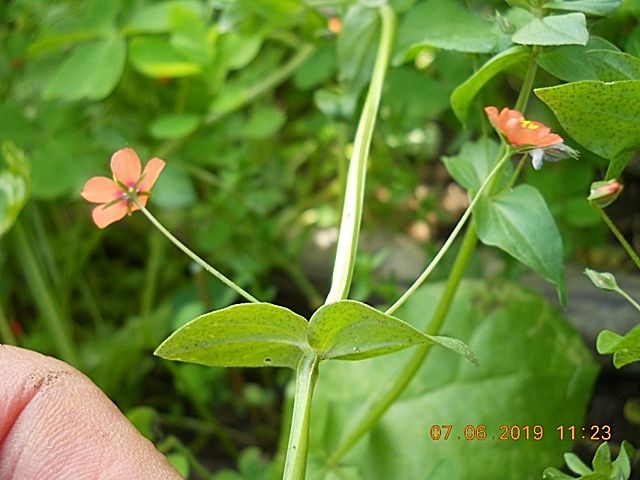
[(45, 299), (357, 172), (228, 282), (619, 236), (306, 374), (6, 335), (454, 234), (628, 298), (527, 83)]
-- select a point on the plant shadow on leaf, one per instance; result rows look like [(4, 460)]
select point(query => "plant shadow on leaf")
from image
[(534, 370)]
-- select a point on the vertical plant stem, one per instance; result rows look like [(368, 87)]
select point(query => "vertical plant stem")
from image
[(623, 241), (58, 327), (306, 374), (356, 175), (228, 282)]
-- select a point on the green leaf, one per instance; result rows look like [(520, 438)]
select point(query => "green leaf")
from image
[(14, 185), (174, 188), (519, 222), (614, 66), (602, 458), (319, 68), (463, 95), (350, 330), (555, 474), (474, 163), (625, 349), (576, 465), (155, 58), (604, 280), (91, 72), (569, 63), (623, 461), (568, 29), (524, 345), (92, 20), (189, 35), (590, 7), (357, 43), (156, 18), (245, 335), (602, 117), (263, 122), (447, 25), (174, 126)]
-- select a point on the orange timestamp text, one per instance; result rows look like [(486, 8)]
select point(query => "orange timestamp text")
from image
[(505, 432)]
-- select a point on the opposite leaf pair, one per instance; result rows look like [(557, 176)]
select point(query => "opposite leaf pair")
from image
[(263, 334)]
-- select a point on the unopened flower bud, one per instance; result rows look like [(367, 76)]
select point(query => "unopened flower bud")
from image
[(605, 192)]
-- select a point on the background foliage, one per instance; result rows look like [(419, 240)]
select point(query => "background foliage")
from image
[(253, 104)]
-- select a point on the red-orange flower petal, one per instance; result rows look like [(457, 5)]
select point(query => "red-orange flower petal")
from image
[(101, 190), (125, 165), (150, 174), (520, 132), (104, 215)]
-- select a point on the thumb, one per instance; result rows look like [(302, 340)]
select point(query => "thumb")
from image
[(56, 424)]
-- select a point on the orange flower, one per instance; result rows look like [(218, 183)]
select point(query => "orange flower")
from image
[(520, 132), (117, 197)]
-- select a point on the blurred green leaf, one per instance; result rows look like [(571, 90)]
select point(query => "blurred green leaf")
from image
[(174, 126), (590, 7), (91, 72), (96, 22), (189, 35), (569, 63), (447, 25), (145, 419), (156, 17), (515, 358), (357, 44), (320, 67), (518, 221), (263, 122), (174, 188), (463, 95), (568, 29), (601, 116), (473, 164), (14, 185), (614, 66), (180, 462), (245, 335), (156, 58), (239, 50)]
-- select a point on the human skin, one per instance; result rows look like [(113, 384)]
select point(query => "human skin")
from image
[(55, 424)]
